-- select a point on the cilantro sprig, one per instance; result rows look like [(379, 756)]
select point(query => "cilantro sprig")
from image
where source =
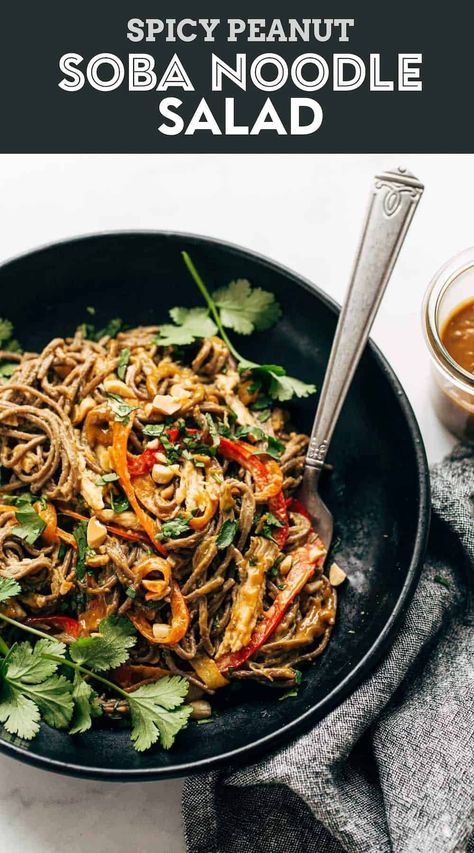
[(33, 687), (243, 309)]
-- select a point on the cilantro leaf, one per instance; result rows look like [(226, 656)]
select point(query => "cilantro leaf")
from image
[(254, 431), (19, 715), (54, 700), (245, 309), (7, 369), (112, 328), (288, 695), (119, 504), (124, 358), (212, 430), (439, 579), (280, 386), (283, 388), (121, 409), (86, 706), (274, 447), (269, 522), (109, 649), (106, 478), (156, 713), (28, 663), (8, 588), (12, 346), (6, 331), (83, 551), (154, 430), (30, 525), (227, 534), (29, 689), (191, 323), (174, 528)]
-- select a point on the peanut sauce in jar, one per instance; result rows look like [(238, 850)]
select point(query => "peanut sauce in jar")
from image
[(458, 335), (449, 332)]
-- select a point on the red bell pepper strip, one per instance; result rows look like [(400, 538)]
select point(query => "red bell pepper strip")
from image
[(268, 475), (68, 626), (120, 433), (305, 561), (277, 507)]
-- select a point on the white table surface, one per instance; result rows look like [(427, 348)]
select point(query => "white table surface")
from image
[(304, 211)]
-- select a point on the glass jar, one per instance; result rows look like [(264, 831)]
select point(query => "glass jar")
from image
[(452, 385)]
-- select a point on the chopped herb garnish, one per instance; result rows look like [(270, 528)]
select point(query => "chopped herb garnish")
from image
[(124, 358), (154, 430), (6, 331), (7, 369), (227, 534), (254, 431), (212, 430), (275, 447), (112, 328), (261, 404), (121, 409), (106, 478), (203, 722), (289, 694), (119, 504), (298, 676), (83, 551), (442, 581), (30, 525), (131, 592), (174, 528)]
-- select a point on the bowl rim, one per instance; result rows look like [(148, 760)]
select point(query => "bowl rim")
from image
[(365, 666)]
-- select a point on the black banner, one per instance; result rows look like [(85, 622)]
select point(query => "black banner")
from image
[(140, 76)]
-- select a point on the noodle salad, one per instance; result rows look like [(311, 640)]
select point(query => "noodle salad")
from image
[(152, 550)]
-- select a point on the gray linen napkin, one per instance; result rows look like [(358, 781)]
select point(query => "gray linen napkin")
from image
[(392, 768)]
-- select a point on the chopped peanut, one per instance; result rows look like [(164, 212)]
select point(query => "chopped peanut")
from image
[(165, 404), (160, 630), (163, 474), (96, 533), (336, 575), (180, 393)]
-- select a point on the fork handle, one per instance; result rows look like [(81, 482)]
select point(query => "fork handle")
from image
[(393, 202)]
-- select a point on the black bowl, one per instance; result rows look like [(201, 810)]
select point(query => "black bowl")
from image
[(378, 492)]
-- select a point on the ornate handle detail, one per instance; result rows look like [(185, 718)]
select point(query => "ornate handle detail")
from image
[(398, 183), (393, 203)]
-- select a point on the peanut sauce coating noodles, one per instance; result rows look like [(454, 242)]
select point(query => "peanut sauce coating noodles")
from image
[(154, 482)]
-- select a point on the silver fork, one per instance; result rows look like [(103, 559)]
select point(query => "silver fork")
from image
[(392, 205)]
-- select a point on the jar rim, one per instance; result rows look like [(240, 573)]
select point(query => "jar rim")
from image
[(437, 288)]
